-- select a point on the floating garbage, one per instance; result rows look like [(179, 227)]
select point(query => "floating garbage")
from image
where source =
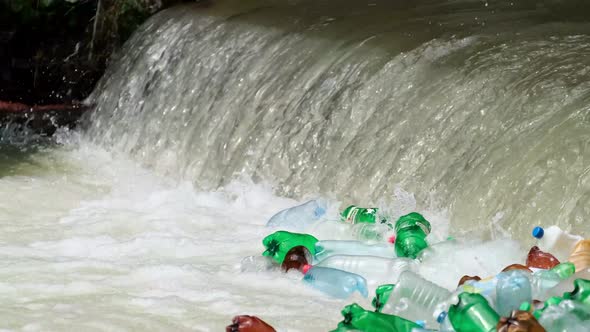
[(550, 292)]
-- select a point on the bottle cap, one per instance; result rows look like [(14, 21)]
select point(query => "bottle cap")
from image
[(391, 239), (306, 268), (421, 323), (441, 317), (538, 232)]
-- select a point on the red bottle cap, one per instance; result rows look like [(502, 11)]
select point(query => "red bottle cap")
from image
[(306, 268)]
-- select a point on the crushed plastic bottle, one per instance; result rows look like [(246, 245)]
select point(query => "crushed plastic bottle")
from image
[(542, 281), (556, 241), (580, 256), (372, 232), (567, 285), (328, 248), (581, 292), (336, 283), (358, 319), (376, 270), (565, 270), (411, 231), (519, 321), (296, 258), (382, 294), (473, 314), (299, 217), (567, 315), (512, 289), (279, 243), (416, 298), (539, 259)]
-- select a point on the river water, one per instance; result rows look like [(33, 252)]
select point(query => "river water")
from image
[(212, 118)]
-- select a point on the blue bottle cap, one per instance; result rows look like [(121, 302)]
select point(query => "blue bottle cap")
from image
[(421, 323), (538, 232), (441, 317)]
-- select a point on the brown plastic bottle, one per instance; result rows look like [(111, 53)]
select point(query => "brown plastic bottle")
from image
[(245, 323), (296, 258), (466, 278), (580, 256), (540, 259), (516, 267), (519, 321)]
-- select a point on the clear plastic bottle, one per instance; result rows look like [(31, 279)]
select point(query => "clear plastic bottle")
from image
[(334, 282), (542, 281), (567, 285), (328, 248), (556, 241), (416, 298), (300, 216), (377, 270), (372, 232), (513, 288)]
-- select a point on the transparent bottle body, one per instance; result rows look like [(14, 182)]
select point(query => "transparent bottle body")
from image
[(376, 270), (416, 298), (512, 289), (328, 248), (258, 264), (336, 283), (300, 216), (372, 232)]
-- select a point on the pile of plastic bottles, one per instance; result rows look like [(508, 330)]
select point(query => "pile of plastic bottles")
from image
[(549, 292)]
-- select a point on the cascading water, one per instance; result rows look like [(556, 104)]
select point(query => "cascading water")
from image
[(481, 109), (485, 111)]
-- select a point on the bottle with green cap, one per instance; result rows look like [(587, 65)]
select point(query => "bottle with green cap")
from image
[(279, 243), (473, 314), (411, 231), (354, 214), (358, 319), (382, 294), (564, 270)]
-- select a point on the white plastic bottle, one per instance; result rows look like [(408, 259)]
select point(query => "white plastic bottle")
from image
[(300, 216), (556, 241), (377, 270), (415, 298)]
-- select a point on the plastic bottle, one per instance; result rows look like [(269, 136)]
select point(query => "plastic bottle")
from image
[(580, 256), (336, 283), (328, 248), (279, 243), (300, 216), (358, 319), (567, 285), (296, 258), (416, 298), (519, 321), (567, 316), (411, 231), (512, 289), (246, 323), (354, 214), (473, 314), (382, 294), (555, 241), (540, 259), (564, 270), (542, 281), (581, 292), (376, 270), (372, 232)]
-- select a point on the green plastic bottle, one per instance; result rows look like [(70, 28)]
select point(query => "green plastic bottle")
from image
[(554, 300), (279, 243), (411, 231), (473, 314), (358, 319), (581, 292), (382, 294), (564, 270), (354, 214)]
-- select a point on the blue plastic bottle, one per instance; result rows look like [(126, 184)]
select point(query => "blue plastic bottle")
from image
[(512, 289), (334, 282), (328, 248), (300, 216)]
